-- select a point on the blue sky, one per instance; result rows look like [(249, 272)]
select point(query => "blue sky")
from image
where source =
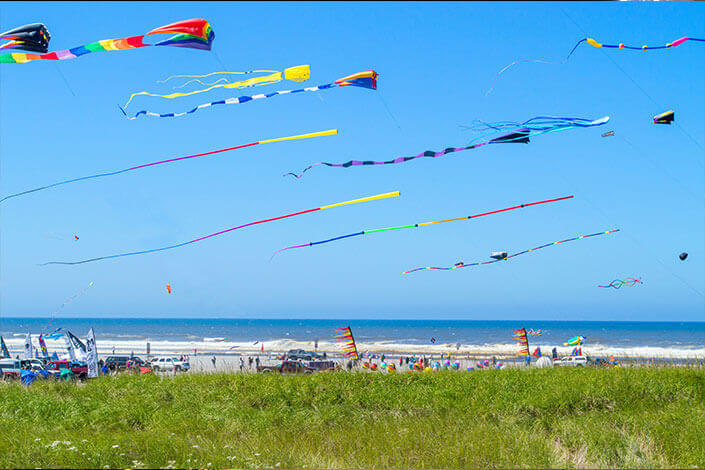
[(436, 62)]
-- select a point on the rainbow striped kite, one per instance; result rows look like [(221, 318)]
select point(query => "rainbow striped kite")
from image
[(629, 282), (191, 34), (424, 224), (463, 265), (348, 346)]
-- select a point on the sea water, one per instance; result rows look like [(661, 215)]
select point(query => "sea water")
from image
[(235, 336)]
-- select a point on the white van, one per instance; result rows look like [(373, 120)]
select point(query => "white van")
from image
[(10, 368), (572, 361)]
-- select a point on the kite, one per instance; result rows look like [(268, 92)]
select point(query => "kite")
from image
[(665, 118), (347, 339), (168, 288), (537, 352), (511, 256), (523, 342), (593, 43), (300, 73), (575, 341), (683, 256), (195, 240), (75, 238), (533, 332), (629, 282), (424, 224), (33, 37), (170, 160), (499, 133), (192, 34), (433, 340), (608, 134), (366, 79), (499, 255)]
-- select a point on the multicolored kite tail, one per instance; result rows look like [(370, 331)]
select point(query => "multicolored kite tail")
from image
[(192, 34), (629, 282), (387, 229), (195, 240), (500, 133), (462, 265), (170, 160), (366, 79), (300, 73), (593, 43)]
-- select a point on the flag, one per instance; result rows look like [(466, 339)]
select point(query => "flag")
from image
[(91, 355), (348, 346), (43, 345), (5, 352), (69, 348), (523, 342), (28, 346)]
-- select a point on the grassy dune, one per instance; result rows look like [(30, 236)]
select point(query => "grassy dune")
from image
[(643, 417)]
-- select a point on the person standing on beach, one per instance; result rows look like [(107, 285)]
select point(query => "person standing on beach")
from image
[(213, 361), (242, 363), (249, 360), (257, 361)]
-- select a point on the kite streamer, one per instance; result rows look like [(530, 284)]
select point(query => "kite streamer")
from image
[(575, 341), (300, 73), (170, 160), (629, 282), (594, 43), (307, 211), (366, 79), (463, 265), (348, 346), (500, 133), (192, 34), (424, 224)]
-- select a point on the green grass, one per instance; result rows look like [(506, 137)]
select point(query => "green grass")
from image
[(643, 417)]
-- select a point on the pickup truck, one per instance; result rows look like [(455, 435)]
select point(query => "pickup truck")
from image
[(287, 367), (79, 369), (10, 368)]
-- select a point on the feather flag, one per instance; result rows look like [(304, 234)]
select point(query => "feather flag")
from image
[(523, 342), (347, 340)]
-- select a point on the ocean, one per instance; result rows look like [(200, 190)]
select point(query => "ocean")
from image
[(236, 336)]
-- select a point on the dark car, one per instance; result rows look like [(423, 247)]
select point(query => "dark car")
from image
[(287, 367), (120, 362), (302, 355)]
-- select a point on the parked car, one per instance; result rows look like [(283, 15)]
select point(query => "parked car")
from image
[(38, 367), (79, 369), (120, 362), (170, 364), (10, 368), (572, 361), (302, 355), (322, 365), (287, 367)]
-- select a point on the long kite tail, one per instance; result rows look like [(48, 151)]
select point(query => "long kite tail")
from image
[(594, 43), (463, 265), (193, 34), (424, 224), (299, 73), (171, 160), (629, 282), (499, 133), (329, 206), (366, 79)]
